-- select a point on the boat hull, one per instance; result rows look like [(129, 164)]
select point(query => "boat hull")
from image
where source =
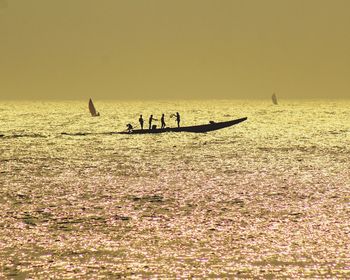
[(193, 129)]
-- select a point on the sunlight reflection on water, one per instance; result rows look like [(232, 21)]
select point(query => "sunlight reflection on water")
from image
[(268, 197)]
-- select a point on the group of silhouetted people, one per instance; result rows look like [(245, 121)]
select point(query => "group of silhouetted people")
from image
[(151, 119)]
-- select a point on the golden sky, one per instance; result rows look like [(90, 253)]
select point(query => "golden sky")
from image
[(113, 49)]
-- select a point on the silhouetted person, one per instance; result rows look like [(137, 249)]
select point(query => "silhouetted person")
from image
[(162, 121), (141, 121), (150, 121), (178, 119), (129, 127)]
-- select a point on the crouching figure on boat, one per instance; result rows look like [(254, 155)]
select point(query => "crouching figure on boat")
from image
[(129, 127)]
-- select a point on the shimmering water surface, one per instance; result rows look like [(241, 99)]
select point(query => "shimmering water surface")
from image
[(269, 197)]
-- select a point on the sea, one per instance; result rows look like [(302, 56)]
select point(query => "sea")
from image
[(267, 198)]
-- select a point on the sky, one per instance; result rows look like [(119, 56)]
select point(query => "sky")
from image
[(174, 49)]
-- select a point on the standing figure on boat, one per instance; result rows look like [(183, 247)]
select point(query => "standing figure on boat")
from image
[(141, 121), (150, 121), (178, 119), (162, 122)]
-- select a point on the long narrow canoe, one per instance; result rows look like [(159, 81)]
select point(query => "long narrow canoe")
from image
[(195, 129)]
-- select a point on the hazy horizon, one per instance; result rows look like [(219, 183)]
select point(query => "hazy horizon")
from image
[(172, 50), (169, 99)]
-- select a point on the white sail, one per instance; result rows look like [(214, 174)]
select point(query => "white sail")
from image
[(92, 109), (274, 99)]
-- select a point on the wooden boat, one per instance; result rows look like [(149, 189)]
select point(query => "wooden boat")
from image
[(194, 129), (92, 109)]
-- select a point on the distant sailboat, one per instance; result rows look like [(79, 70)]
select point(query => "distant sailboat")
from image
[(274, 99), (92, 109)]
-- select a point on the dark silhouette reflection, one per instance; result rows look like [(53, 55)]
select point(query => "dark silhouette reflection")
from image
[(162, 122), (141, 121)]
